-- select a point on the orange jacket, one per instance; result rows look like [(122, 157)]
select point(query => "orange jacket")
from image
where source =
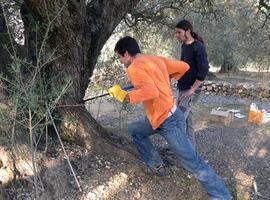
[(150, 77)]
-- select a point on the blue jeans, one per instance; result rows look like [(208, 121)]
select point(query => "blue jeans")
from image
[(186, 106), (173, 130)]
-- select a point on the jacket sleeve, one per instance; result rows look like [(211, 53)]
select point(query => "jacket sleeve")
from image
[(176, 68), (202, 62), (144, 86)]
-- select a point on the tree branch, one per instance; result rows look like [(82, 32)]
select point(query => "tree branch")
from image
[(102, 18)]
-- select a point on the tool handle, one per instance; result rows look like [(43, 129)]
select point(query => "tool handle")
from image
[(92, 98), (128, 87)]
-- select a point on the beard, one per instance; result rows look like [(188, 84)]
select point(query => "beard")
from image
[(127, 64)]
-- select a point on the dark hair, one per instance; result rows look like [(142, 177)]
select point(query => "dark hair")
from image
[(186, 25), (128, 44)]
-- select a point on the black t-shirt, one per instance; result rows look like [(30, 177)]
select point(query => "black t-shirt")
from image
[(195, 55)]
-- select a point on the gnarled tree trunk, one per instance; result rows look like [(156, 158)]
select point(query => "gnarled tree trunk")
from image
[(5, 45), (78, 32), (228, 64), (8, 47)]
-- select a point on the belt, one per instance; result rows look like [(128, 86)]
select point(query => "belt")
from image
[(172, 110)]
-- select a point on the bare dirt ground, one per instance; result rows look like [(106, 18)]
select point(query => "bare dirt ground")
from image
[(239, 153)]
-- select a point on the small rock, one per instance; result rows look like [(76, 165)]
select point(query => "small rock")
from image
[(209, 88), (137, 195), (91, 196)]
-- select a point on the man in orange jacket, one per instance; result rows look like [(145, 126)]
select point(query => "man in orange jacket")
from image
[(150, 76)]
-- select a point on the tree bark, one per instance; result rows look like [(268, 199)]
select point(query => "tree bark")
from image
[(8, 47), (32, 38), (5, 45), (227, 67), (229, 64), (78, 32)]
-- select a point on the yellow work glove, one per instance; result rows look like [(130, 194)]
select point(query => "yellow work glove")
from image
[(117, 93)]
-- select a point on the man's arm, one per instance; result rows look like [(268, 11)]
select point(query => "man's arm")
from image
[(176, 68), (195, 85), (192, 90), (203, 66), (144, 86)]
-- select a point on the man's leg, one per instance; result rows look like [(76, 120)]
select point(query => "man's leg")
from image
[(140, 132), (186, 106), (173, 130)]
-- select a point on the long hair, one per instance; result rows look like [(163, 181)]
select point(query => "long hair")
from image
[(186, 25)]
